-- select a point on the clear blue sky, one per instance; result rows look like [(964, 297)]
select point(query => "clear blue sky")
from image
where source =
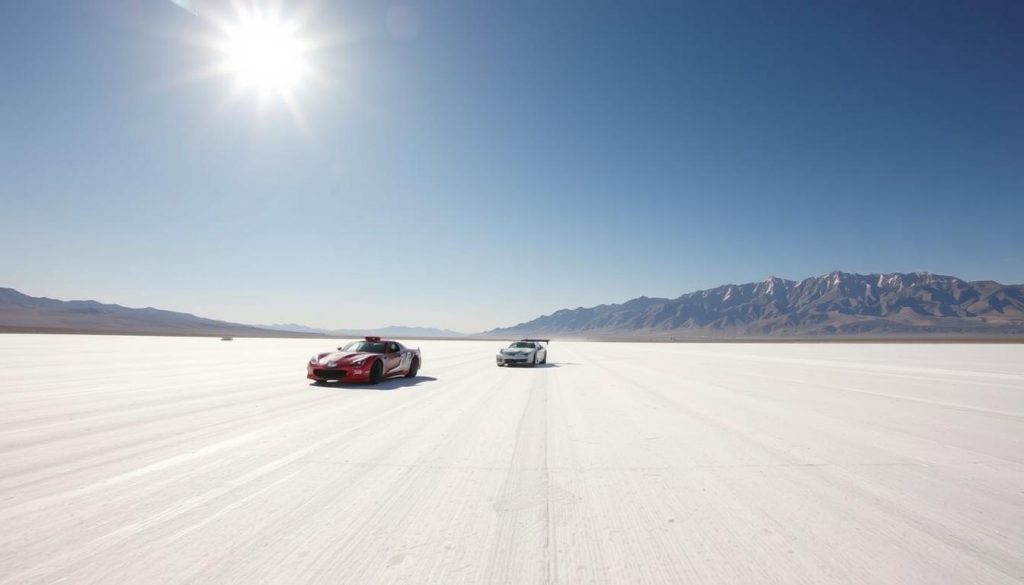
[(503, 160)]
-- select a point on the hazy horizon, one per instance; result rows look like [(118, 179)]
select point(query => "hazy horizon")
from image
[(473, 166), (290, 326)]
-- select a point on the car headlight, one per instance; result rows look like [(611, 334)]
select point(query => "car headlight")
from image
[(359, 362), (314, 360)]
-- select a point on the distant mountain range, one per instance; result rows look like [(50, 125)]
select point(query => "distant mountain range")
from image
[(23, 313), (918, 304), (836, 304), (389, 331)]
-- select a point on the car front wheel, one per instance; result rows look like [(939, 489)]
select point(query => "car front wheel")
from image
[(376, 372)]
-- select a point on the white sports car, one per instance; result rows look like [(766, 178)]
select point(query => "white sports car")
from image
[(524, 351)]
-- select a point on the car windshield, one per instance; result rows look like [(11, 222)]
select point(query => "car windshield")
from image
[(525, 344), (365, 346)]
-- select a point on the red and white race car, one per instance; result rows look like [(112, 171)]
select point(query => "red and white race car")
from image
[(370, 360)]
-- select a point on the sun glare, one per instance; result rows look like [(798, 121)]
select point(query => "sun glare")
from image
[(265, 54), (270, 53)]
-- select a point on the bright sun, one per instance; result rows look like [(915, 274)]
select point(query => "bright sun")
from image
[(265, 54)]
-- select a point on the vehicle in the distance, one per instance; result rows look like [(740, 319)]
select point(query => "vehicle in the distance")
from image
[(368, 360), (525, 351)]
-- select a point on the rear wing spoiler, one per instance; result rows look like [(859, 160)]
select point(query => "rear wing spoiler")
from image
[(544, 340)]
